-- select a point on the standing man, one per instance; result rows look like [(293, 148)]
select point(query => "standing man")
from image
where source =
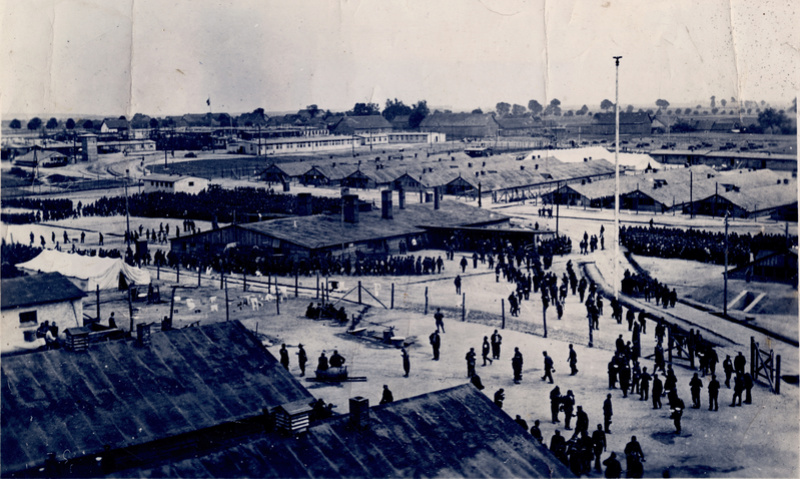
[(485, 350), (497, 340), (536, 432), (516, 365), (739, 363), (572, 359), (464, 264), (599, 445), (569, 403), (470, 357), (748, 385), (457, 282), (738, 387), (676, 404), (548, 367), (713, 393), (613, 467), (644, 385), (581, 423), (436, 343), (439, 317), (727, 366), (555, 403), (624, 378), (284, 357), (658, 389), (406, 362), (302, 359), (608, 411), (696, 385)]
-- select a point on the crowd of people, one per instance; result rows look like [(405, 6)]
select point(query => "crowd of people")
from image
[(699, 245)]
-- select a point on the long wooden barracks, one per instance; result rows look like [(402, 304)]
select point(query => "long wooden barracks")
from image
[(358, 229)]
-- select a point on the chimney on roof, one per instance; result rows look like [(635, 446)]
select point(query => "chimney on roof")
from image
[(436, 198), (359, 412), (386, 204), (292, 418), (350, 209), (401, 199), (304, 204)]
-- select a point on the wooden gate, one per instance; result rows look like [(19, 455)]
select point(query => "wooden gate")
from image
[(765, 366)]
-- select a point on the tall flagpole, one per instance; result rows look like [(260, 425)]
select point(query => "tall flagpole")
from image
[(616, 189)]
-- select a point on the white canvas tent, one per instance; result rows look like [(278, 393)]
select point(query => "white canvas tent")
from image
[(86, 272)]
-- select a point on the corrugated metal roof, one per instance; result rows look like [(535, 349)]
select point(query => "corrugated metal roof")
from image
[(119, 394), (38, 289), (455, 432), (763, 198)]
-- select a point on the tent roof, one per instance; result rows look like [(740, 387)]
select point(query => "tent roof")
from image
[(87, 268)]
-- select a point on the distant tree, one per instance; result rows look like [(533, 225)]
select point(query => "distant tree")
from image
[(518, 110), (733, 99), (88, 125), (763, 102), (52, 123), (70, 124), (696, 112), (793, 108), (554, 108), (569, 113), (629, 109), (640, 111), (154, 122), (687, 111), (713, 101), (394, 109), (15, 124), (714, 110), (698, 107), (535, 107), (649, 111), (723, 102), (774, 121), (122, 117), (477, 111), (705, 112), (35, 123), (502, 108), (668, 111), (749, 111), (365, 109), (313, 110), (584, 109), (661, 103), (606, 104), (418, 113)]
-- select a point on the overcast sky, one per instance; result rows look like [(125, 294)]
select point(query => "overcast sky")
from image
[(168, 56)]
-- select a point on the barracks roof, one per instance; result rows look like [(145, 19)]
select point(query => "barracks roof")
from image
[(119, 394), (321, 231), (38, 289), (456, 432)]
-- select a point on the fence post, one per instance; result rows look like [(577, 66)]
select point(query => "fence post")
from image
[(278, 300), (463, 307), (244, 280), (317, 285), (392, 304), (158, 271), (359, 292), (670, 342), (295, 284), (503, 313), (269, 282), (426, 300), (778, 374), (753, 356), (97, 292), (199, 269), (227, 307), (544, 318), (178, 273)]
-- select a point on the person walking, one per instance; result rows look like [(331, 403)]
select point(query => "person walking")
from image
[(302, 359), (284, 357), (439, 317), (713, 393), (485, 350), (634, 457), (581, 422), (516, 365), (436, 343), (738, 388), (497, 340), (548, 367), (464, 264), (572, 359), (406, 361), (470, 357), (608, 411), (644, 385), (676, 406), (457, 282), (568, 403)]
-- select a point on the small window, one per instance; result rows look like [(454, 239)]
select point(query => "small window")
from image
[(28, 318), (191, 183)]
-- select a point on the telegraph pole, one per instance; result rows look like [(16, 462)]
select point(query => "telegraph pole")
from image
[(127, 214), (725, 276), (616, 178)]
